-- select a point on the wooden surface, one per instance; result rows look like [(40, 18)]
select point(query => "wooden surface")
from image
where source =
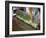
[(18, 25)]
